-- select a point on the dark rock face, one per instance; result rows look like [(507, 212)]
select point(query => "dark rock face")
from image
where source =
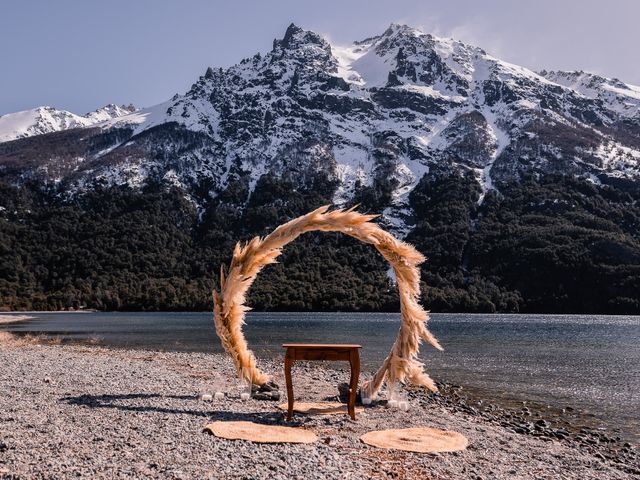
[(496, 91), (392, 98), (470, 141)]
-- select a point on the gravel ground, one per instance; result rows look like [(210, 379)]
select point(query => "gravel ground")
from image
[(90, 412)]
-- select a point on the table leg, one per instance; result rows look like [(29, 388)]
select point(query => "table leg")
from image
[(288, 361), (354, 361)]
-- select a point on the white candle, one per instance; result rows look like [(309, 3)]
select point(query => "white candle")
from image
[(244, 396), (403, 405), (206, 397), (392, 403), (218, 396), (366, 401)]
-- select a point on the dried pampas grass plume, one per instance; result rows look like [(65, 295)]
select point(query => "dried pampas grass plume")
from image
[(401, 364)]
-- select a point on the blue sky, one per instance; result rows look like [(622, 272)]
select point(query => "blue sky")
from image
[(79, 54)]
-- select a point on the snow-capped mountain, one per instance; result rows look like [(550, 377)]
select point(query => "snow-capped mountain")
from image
[(522, 189), (375, 115), (38, 121)]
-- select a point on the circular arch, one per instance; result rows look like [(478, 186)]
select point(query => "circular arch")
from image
[(229, 309)]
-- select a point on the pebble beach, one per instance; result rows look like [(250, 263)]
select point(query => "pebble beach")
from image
[(77, 411)]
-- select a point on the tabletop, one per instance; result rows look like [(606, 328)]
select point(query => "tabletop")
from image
[(320, 345)]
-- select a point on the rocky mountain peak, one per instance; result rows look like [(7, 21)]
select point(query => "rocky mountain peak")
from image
[(298, 43), (400, 30), (373, 116)]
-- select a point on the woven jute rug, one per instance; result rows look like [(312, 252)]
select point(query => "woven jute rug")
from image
[(319, 408), (422, 439), (259, 433)]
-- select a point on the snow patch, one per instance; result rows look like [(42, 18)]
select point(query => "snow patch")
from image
[(373, 68), (501, 139)]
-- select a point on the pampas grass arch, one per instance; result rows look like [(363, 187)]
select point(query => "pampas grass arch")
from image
[(401, 364)]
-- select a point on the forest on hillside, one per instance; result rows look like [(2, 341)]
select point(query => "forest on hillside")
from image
[(547, 244)]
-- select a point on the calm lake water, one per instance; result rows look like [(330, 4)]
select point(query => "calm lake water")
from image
[(588, 362)]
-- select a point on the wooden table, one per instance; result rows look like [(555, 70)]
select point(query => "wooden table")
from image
[(330, 352)]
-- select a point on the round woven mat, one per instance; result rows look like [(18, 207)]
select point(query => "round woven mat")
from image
[(259, 433), (319, 408), (423, 440)]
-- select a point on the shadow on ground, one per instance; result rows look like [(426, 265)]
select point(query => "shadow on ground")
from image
[(118, 402)]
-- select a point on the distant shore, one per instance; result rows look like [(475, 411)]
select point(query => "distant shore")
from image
[(4, 319), (83, 410), (15, 312), (21, 316)]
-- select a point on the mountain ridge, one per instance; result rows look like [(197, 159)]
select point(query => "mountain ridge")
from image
[(45, 119), (443, 82)]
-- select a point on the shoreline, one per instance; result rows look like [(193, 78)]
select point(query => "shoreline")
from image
[(28, 312), (89, 310), (8, 319), (98, 406)]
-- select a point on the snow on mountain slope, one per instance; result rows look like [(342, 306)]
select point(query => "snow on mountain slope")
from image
[(108, 112), (622, 97), (48, 119), (372, 117)]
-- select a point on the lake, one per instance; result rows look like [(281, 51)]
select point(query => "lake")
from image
[(588, 362)]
